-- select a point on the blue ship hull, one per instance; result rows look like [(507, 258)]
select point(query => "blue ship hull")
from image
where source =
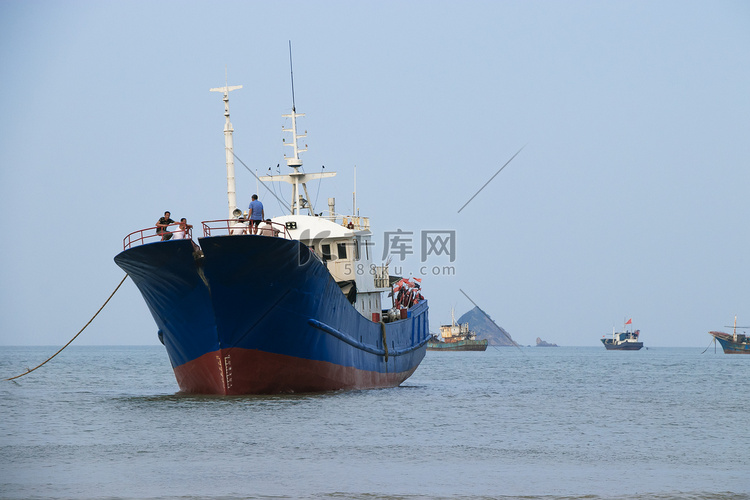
[(257, 315), (629, 346), (731, 346)]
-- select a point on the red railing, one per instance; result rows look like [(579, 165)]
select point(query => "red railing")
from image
[(210, 228), (148, 235), (234, 227)]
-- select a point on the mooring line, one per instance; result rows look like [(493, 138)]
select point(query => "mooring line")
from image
[(713, 341), (77, 334)]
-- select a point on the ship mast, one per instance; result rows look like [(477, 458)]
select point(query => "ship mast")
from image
[(229, 146), (296, 178), (295, 161)]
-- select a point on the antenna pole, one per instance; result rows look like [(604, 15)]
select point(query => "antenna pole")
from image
[(291, 72)]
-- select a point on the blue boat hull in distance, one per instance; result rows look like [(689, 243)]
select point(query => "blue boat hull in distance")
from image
[(630, 346), (460, 345), (252, 314), (731, 344)]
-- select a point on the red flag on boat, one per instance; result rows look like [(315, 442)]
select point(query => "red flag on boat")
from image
[(629, 322)]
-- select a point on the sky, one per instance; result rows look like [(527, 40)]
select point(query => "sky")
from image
[(628, 198)]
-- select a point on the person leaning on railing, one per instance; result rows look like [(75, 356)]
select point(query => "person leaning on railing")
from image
[(267, 229), (182, 230), (162, 224)]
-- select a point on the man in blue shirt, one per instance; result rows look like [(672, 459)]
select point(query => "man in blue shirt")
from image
[(256, 214)]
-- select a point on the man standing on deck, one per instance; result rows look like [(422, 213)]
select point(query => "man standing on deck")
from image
[(256, 214)]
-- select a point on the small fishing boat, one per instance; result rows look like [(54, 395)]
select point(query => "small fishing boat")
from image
[(297, 308), (456, 338), (623, 341), (734, 343)]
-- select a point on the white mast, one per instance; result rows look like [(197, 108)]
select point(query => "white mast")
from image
[(229, 147), (295, 161), (296, 178)]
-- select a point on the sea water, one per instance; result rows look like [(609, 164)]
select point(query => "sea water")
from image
[(548, 423)]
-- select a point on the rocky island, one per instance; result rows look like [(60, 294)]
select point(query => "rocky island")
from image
[(542, 343), (485, 328)]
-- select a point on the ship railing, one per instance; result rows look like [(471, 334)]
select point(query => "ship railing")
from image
[(224, 227), (355, 222), (149, 235)]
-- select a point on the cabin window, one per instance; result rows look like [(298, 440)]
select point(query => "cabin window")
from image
[(325, 251), (356, 249), (342, 250)]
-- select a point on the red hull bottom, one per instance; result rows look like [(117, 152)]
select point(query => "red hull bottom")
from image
[(237, 371)]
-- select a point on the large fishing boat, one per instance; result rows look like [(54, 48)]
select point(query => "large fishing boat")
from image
[(733, 343), (623, 341), (294, 308), (455, 337)]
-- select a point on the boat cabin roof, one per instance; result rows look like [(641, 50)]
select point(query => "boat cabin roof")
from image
[(307, 227)]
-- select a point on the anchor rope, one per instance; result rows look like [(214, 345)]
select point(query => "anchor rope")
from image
[(76, 335), (713, 341)]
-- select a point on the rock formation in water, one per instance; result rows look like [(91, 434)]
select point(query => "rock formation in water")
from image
[(481, 323), (542, 343)]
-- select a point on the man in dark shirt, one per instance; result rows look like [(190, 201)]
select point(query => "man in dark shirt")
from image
[(161, 226)]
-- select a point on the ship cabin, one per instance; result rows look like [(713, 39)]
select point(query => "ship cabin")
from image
[(344, 245), (626, 336), (454, 332)]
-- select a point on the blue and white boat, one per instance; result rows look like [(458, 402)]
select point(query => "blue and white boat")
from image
[(300, 307), (626, 340), (733, 343)]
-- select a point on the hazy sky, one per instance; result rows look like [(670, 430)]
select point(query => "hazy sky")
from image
[(630, 198)]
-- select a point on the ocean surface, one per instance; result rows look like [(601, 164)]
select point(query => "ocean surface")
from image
[(530, 423)]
